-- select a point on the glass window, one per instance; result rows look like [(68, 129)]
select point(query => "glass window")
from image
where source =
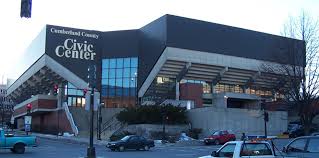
[(105, 73), (126, 91), (133, 82), (71, 91), (133, 62), (112, 83), (126, 72), (227, 151), (119, 73), (255, 149), (126, 82), (105, 63), (112, 73), (133, 72), (119, 82), (313, 145), (112, 92), (104, 92), (132, 92), (119, 63), (80, 92), (73, 101), (297, 146), (127, 62), (104, 81), (119, 92), (113, 63), (69, 101)]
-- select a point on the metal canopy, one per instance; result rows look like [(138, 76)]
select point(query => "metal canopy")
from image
[(40, 82), (223, 75)]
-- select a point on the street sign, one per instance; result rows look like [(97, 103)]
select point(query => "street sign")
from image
[(27, 120), (96, 101), (27, 127), (87, 100)]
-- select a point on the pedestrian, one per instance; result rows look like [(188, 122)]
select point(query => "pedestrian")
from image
[(243, 137)]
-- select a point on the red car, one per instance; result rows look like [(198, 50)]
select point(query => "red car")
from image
[(219, 137)]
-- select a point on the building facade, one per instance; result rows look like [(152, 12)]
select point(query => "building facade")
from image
[(172, 60)]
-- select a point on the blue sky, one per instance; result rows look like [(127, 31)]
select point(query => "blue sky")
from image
[(106, 15)]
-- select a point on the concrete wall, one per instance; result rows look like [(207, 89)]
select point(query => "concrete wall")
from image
[(81, 116), (237, 120)]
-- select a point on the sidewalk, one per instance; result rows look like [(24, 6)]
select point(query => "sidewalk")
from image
[(71, 139), (80, 140)]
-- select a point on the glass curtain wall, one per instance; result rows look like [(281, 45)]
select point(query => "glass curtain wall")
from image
[(119, 82), (75, 96)]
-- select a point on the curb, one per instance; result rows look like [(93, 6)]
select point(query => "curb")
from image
[(69, 139)]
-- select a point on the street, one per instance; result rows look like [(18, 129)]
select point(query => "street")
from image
[(62, 149)]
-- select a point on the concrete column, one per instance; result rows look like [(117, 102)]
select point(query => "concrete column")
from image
[(60, 95), (244, 89), (177, 91), (213, 88)]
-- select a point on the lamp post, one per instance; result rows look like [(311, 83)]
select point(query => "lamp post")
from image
[(135, 86), (99, 121)]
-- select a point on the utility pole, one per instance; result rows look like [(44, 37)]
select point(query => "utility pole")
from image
[(92, 82)]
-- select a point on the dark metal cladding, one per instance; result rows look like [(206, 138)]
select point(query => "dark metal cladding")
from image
[(83, 45)]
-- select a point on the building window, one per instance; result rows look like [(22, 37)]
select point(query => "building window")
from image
[(119, 81), (75, 96)]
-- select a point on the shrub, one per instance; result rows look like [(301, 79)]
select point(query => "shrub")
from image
[(153, 115), (194, 132)]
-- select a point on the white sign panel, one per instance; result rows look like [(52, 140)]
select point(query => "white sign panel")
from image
[(87, 100), (27, 120)]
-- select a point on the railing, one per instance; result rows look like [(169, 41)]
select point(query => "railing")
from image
[(111, 125), (70, 118)]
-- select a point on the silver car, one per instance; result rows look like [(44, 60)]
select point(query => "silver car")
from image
[(303, 147)]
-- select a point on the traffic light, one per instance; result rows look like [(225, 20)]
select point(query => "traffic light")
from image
[(266, 116), (85, 91), (26, 6), (29, 107), (55, 89), (92, 76)]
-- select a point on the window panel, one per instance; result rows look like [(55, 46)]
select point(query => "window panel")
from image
[(112, 63), (126, 82), (133, 62), (126, 72), (127, 62), (119, 73), (69, 101), (133, 82), (133, 72), (104, 81), (112, 73), (119, 63), (80, 92), (126, 91), (71, 91), (105, 63), (112, 83), (132, 91), (112, 92), (119, 92), (119, 82), (105, 73)]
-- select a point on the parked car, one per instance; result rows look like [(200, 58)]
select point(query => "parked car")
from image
[(305, 147), (131, 142), (295, 129), (219, 137), (240, 149), (16, 144), (315, 134)]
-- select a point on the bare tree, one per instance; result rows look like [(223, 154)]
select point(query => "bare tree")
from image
[(299, 79)]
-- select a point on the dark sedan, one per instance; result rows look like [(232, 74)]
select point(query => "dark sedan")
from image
[(131, 142)]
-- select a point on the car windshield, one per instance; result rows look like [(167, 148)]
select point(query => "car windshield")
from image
[(216, 133), (125, 138)]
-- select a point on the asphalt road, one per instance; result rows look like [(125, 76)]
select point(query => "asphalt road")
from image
[(61, 149)]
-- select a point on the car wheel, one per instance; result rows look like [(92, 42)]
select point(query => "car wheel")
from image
[(206, 143), (112, 149), (19, 148), (121, 148), (216, 142), (12, 150), (146, 148)]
